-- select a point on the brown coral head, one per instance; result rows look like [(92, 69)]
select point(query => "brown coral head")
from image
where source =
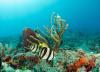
[(7, 59)]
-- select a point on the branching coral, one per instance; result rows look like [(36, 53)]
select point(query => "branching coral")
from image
[(57, 30)]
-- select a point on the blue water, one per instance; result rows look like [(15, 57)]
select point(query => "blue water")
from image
[(15, 15), (82, 17)]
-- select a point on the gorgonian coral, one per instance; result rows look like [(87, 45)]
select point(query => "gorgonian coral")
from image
[(56, 31)]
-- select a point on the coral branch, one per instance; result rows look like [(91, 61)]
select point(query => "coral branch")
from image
[(57, 30)]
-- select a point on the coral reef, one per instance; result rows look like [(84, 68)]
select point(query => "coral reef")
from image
[(61, 62), (70, 56)]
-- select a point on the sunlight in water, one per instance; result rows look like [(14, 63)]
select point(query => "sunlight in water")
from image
[(34, 2), (14, 14), (22, 7)]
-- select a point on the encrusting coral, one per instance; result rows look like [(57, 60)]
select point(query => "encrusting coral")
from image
[(84, 61)]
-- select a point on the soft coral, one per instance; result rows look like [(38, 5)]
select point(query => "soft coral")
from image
[(77, 64), (83, 61)]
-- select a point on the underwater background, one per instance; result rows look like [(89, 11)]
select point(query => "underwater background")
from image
[(83, 33), (81, 15)]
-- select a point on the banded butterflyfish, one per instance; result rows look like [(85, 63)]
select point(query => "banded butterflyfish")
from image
[(37, 46)]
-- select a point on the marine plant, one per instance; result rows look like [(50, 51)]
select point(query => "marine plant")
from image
[(56, 31)]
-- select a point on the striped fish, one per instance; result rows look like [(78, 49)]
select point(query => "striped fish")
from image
[(47, 53), (37, 45), (44, 51)]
